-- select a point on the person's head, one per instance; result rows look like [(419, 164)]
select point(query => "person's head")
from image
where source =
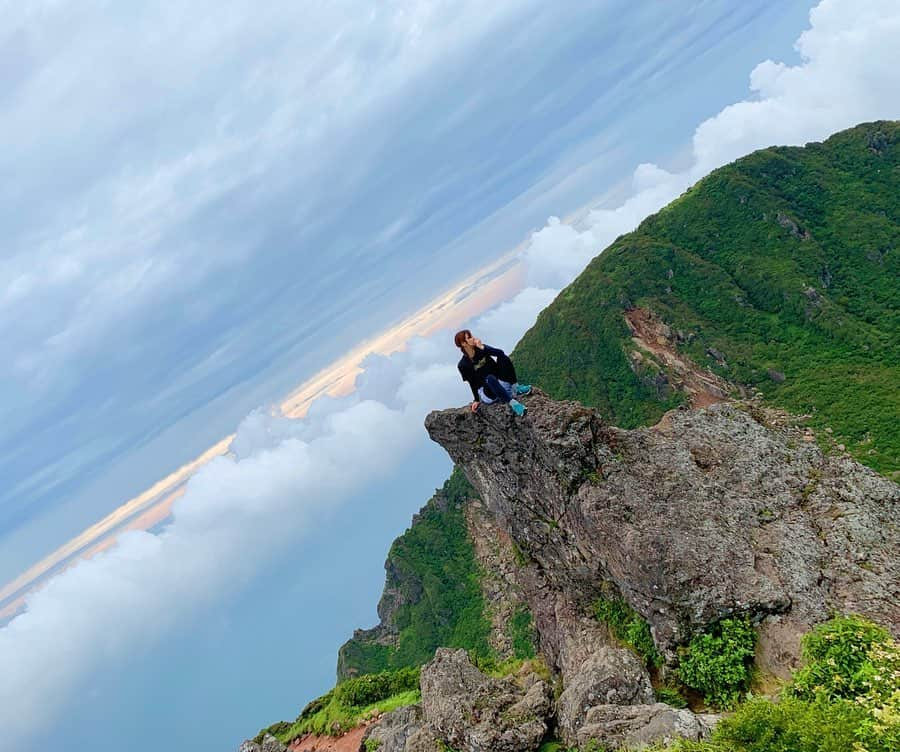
[(466, 341), (461, 338)]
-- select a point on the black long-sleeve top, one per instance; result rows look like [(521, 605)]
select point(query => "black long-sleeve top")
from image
[(476, 369)]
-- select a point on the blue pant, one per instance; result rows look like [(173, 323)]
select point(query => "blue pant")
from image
[(496, 390)]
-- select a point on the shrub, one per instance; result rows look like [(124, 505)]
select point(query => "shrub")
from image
[(836, 655), (852, 663), (521, 632), (789, 725), (365, 690), (670, 696), (717, 662), (629, 627)]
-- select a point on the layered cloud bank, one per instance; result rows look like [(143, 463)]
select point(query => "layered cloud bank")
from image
[(283, 475)]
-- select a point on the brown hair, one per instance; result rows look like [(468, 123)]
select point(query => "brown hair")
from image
[(461, 337)]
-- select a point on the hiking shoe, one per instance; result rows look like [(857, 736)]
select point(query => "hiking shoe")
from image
[(517, 407), (523, 389)]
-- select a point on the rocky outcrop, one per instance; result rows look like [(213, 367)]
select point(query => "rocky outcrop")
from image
[(637, 726), (610, 676), (469, 710), (712, 512), (730, 509), (393, 730), (464, 709), (268, 744)]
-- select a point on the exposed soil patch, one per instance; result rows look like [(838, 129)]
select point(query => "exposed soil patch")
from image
[(349, 742), (654, 337)]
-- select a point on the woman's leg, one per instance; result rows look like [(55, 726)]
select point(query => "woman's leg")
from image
[(495, 389), (506, 369), (495, 386)]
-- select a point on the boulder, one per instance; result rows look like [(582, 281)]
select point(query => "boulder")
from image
[(469, 710), (393, 730), (611, 676), (636, 726), (269, 744)]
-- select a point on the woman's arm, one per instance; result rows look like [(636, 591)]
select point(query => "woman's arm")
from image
[(468, 375)]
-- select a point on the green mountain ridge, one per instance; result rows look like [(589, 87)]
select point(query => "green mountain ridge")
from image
[(786, 262)]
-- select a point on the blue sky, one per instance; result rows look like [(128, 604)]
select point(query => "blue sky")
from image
[(192, 252), (206, 213)]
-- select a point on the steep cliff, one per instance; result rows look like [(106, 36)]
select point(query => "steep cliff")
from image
[(732, 511), (711, 512), (448, 583)]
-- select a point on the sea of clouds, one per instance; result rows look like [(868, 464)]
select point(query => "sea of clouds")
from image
[(283, 475)]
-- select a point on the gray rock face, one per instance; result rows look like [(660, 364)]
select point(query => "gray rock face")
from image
[(269, 744), (611, 676), (712, 512), (468, 710), (393, 730), (635, 726)]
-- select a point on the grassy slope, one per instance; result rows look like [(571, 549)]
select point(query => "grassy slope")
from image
[(819, 302)]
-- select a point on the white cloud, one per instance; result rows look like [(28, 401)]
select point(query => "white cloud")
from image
[(237, 512), (504, 325)]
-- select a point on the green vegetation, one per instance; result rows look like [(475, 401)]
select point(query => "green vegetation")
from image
[(351, 702), (522, 634), (434, 565), (717, 662), (838, 660), (511, 666), (370, 688), (785, 261), (670, 696), (846, 698), (629, 627), (553, 746)]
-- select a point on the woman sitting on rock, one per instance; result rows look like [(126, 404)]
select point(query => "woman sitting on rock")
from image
[(490, 373)]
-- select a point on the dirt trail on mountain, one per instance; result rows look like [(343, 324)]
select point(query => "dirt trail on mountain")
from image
[(349, 742), (655, 337)]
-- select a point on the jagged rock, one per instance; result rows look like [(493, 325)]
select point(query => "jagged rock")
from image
[(393, 730), (611, 676), (716, 355), (424, 740), (636, 726), (471, 711), (709, 513), (269, 744)]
